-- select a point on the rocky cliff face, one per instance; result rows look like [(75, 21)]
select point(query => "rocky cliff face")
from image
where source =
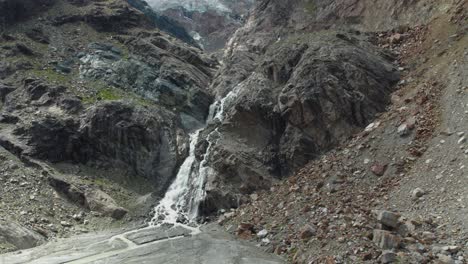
[(385, 195), (110, 90), (151, 65), (100, 95), (296, 91), (301, 77)]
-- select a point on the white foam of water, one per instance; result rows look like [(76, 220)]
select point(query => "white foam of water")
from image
[(181, 202), (174, 201)]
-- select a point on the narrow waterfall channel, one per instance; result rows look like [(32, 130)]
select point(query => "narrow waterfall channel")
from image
[(182, 200)]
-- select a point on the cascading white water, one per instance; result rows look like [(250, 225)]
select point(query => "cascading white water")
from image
[(182, 200), (171, 207)]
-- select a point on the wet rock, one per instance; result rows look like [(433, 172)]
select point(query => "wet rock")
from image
[(101, 202)]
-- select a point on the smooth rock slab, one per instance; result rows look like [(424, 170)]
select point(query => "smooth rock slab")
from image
[(144, 236), (211, 246)]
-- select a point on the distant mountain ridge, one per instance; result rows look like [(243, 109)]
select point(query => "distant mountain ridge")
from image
[(190, 5), (210, 22)]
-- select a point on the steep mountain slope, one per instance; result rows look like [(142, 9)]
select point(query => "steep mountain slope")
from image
[(320, 114), (396, 192), (95, 100)]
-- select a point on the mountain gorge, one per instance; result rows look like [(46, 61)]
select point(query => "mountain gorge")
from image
[(210, 23), (315, 129)]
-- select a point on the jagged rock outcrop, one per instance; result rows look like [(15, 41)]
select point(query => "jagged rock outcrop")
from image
[(294, 91), (160, 69), (305, 96), (147, 140), (143, 140)]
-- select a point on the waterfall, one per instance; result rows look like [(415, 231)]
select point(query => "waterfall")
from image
[(182, 200)]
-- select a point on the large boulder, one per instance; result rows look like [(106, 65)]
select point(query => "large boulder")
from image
[(19, 236), (100, 201), (69, 191)]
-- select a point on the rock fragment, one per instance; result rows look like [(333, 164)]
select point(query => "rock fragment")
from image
[(388, 218), (379, 169), (417, 193), (262, 234), (386, 240), (307, 232), (388, 257)]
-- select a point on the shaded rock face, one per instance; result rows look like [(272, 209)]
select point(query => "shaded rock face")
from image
[(15, 10), (142, 140), (294, 92), (116, 16), (305, 96)]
